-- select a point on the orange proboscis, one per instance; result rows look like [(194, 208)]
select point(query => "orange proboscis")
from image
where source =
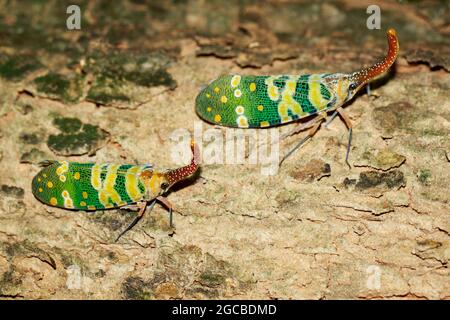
[(378, 68), (179, 174)]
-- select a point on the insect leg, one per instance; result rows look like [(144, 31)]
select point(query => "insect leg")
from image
[(368, 89), (142, 206), (168, 205), (331, 118), (349, 125), (299, 127), (132, 207), (311, 133)]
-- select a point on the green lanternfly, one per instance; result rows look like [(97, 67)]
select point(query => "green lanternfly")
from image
[(266, 101), (96, 186)]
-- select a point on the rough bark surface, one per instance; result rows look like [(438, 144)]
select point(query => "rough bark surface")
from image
[(116, 90)]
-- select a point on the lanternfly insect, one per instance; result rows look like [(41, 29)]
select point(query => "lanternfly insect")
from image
[(267, 101), (94, 186)]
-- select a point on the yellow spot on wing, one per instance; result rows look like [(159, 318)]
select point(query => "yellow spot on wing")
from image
[(216, 89), (40, 190), (217, 118), (252, 86), (239, 110), (235, 80), (62, 168), (39, 179), (314, 92), (96, 181), (242, 121), (50, 184), (108, 185), (62, 178), (264, 124), (85, 195), (82, 203), (76, 176), (272, 90), (208, 95), (286, 119), (260, 108), (223, 99), (103, 197), (288, 102), (131, 183), (53, 201), (209, 109), (68, 203), (291, 85), (273, 93), (91, 207)]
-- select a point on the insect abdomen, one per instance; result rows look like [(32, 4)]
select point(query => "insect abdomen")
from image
[(88, 186), (263, 101)]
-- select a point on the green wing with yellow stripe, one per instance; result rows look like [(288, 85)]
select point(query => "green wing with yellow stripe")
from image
[(89, 186)]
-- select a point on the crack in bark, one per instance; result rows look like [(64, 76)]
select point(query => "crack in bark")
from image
[(406, 295), (443, 263), (11, 296), (380, 169), (245, 215), (51, 262)]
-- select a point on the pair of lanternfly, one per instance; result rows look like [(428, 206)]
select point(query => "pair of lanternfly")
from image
[(258, 101)]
